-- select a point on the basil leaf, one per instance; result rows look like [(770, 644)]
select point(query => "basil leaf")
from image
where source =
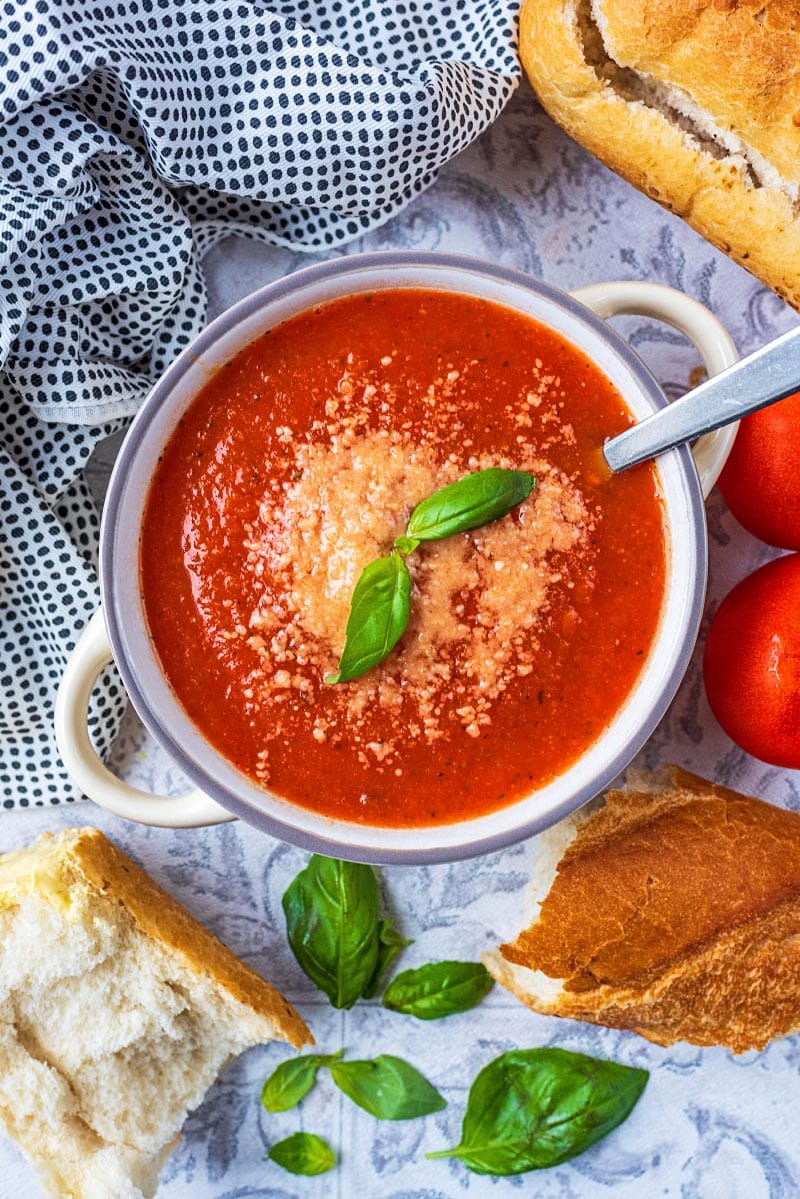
[(534, 1108), (378, 617), (387, 1088), (303, 1153), (475, 500), (438, 989), (292, 1080), (390, 944), (331, 911)]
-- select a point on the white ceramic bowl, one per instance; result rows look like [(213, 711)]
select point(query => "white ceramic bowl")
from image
[(120, 628)]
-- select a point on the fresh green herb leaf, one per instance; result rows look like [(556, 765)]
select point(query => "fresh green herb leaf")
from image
[(292, 1080), (303, 1153), (387, 1088), (406, 545), (438, 989), (331, 911), (534, 1108), (390, 943), (475, 500), (378, 617)]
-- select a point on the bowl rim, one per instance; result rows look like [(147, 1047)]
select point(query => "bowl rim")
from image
[(169, 739)]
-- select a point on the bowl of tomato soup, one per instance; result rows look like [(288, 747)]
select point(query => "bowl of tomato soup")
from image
[(283, 452)]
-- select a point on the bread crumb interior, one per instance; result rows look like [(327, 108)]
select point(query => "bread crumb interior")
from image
[(106, 1043)]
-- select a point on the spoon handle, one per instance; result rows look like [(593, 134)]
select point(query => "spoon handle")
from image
[(768, 375)]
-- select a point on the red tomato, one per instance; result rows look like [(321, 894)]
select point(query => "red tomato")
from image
[(752, 663), (761, 479)]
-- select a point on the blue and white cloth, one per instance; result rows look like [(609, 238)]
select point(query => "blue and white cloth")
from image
[(133, 135)]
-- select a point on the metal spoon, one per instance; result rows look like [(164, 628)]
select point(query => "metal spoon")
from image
[(760, 379)]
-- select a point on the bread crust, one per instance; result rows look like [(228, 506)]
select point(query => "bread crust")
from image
[(754, 223), (97, 861), (675, 912), (738, 59)]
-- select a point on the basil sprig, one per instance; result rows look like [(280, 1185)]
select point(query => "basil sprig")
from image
[(534, 1108), (378, 617), (387, 1087), (292, 1080), (303, 1153), (332, 922), (381, 602), (438, 989)]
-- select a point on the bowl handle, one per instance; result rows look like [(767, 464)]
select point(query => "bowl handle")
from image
[(91, 654), (701, 327)]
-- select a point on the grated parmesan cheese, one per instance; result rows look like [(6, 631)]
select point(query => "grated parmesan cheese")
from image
[(478, 598)]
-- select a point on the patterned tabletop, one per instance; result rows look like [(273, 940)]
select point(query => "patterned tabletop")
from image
[(710, 1125)]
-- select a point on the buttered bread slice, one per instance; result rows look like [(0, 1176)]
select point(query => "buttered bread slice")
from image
[(117, 1012)]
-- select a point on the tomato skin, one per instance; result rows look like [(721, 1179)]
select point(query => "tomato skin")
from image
[(751, 664), (761, 479)]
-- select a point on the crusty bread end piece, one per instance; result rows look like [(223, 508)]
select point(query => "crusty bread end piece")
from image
[(674, 911), (695, 102), (117, 1012)]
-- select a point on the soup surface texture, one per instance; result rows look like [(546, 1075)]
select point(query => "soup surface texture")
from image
[(300, 462)]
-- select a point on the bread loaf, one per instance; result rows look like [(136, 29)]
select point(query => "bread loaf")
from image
[(118, 1012), (695, 102), (673, 910)]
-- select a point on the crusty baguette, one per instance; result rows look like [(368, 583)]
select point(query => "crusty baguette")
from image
[(674, 911), (117, 1012), (695, 102)]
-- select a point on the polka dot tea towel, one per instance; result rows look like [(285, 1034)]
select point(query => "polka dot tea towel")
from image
[(134, 133)]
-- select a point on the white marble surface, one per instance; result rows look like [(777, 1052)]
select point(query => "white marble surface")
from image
[(710, 1125)]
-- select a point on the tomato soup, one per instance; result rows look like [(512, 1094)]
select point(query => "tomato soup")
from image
[(300, 462)]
